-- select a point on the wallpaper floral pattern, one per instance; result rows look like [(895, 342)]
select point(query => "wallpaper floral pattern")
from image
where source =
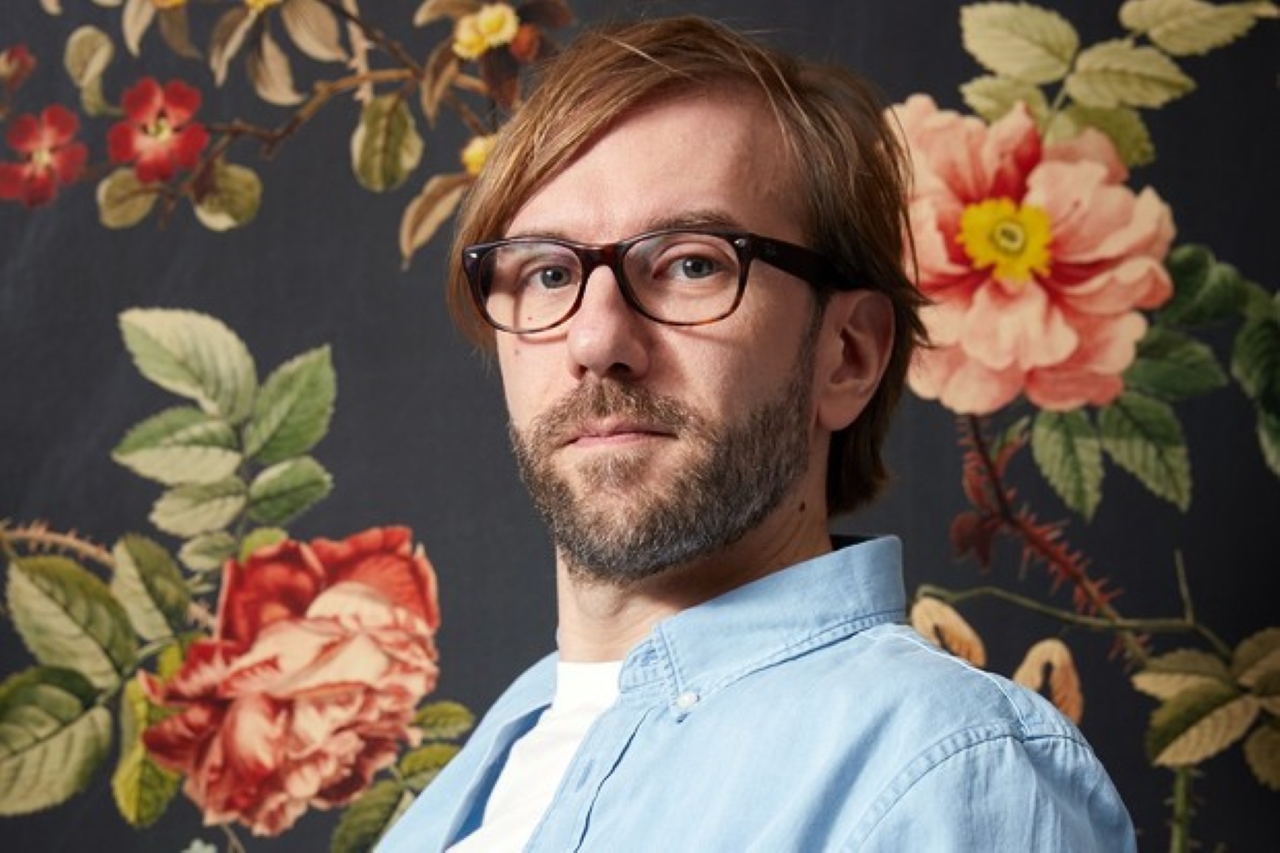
[(262, 676)]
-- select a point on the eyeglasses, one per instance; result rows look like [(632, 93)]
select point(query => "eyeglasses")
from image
[(679, 277)]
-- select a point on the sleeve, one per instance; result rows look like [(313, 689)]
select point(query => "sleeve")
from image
[(1046, 794)]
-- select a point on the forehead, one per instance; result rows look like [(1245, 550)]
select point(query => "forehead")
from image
[(717, 155)]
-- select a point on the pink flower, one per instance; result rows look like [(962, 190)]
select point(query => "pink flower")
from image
[(309, 686), (49, 157), (158, 132), (1036, 257)]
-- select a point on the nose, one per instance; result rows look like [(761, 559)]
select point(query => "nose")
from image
[(606, 336)]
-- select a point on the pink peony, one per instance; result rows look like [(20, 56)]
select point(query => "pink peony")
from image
[(1036, 258), (308, 688)]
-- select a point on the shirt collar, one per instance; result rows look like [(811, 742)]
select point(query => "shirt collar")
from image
[(701, 650)]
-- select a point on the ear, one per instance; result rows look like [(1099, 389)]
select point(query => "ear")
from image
[(853, 350)]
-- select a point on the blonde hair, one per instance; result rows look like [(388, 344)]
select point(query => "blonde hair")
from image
[(849, 166)]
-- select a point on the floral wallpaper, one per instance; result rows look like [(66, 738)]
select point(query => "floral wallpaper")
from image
[(203, 675)]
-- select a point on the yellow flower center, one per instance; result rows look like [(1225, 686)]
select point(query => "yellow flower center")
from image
[(476, 153), (161, 130), (42, 158), (1013, 240), (494, 25)]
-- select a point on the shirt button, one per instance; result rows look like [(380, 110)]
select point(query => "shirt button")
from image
[(685, 701)]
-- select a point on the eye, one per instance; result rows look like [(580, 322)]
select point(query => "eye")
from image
[(695, 267), (685, 259), (551, 277)]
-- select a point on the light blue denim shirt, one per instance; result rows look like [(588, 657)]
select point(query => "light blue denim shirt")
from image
[(796, 714)]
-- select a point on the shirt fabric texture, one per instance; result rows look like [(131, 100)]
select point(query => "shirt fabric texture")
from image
[(795, 713)]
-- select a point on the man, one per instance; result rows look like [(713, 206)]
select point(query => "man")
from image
[(687, 251)]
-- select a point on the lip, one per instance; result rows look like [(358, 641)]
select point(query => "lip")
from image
[(613, 432)]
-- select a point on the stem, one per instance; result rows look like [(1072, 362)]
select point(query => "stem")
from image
[(1161, 625), (377, 36), (1180, 823), (234, 844)]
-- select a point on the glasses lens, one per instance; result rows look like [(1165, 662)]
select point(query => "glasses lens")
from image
[(684, 276), (529, 285)]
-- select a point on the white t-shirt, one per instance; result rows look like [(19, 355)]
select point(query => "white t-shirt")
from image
[(539, 760)]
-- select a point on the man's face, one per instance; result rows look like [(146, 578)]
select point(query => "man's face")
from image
[(647, 446)]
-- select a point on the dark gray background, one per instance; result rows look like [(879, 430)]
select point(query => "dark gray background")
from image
[(419, 434)]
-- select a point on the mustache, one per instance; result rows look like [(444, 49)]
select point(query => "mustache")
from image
[(608, 399)]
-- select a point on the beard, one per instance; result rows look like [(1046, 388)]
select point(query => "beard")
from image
[(625, 523)]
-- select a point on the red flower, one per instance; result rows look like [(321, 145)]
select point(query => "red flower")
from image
[(16, 65), (158, 132), (50, 158), (308, 687)]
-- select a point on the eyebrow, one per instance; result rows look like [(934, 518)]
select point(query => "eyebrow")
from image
[(690, 219)]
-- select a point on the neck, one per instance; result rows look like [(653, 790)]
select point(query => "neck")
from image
[(602, 621)]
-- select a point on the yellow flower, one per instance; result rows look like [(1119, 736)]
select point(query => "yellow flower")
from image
[(476, 152), (494, 25), (258, 6), (1011, 238), (168, 4)]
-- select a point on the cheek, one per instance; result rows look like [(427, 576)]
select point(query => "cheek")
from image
[(524, 371)]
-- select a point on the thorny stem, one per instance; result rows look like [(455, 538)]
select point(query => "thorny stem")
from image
[(38, 536), (1048, 551)]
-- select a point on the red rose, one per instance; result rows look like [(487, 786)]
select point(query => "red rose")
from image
[(322, 652)]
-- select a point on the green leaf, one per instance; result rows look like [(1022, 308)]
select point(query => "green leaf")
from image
[(364, 822), (1143, 436), (261, 537), (284, 491), (1068, 452), (386, 146), (1118, 74), (293, 410), (1019, 40), (232, 200), (1176, 672), (52, 738), (67, 617), (422, 765), (150, 586), (195, 356), (1199, 723), (1255, 361), (123, 200), (207, 552), (142, 788), (1267, 689), (1205, 290), (993, 97), (192, 510), (88, 53), (1269, 439), (1173, 366), (1188, 27), (1262, 751), (444, 720), (1256, 656), (180, 445), (1122, 125)]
